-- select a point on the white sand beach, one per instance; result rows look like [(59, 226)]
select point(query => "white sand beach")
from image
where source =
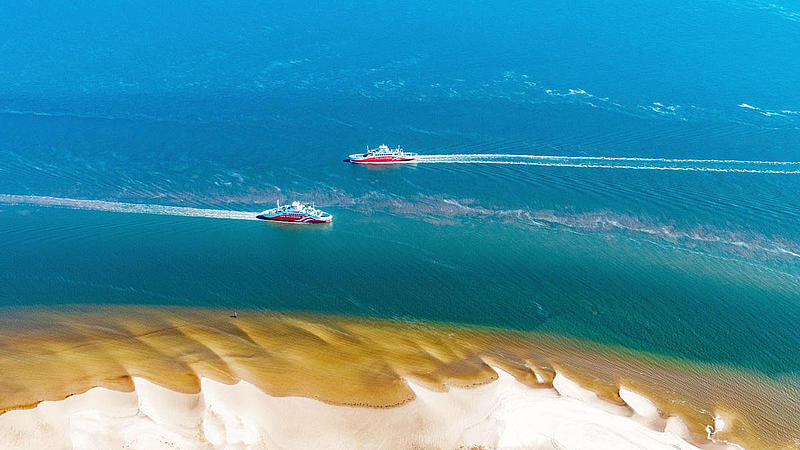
[(502, 414)]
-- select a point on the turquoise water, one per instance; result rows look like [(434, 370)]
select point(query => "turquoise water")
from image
[(607, 287), (653, 205)]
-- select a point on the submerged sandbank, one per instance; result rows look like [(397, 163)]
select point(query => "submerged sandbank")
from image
[(51, 354)]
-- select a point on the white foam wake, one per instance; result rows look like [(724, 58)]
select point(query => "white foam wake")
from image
[(135, 208), (607, 162)]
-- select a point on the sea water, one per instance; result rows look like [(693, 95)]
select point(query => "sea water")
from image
[(626, 174)]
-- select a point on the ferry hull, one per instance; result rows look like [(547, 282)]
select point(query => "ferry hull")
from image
[(295, 213), (383, 155), (381, 160), (296, 219)]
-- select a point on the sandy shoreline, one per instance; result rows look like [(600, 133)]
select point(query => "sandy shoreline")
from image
[(428, 384), (501, 414)]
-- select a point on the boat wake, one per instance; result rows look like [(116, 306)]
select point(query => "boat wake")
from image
[(604, 162), (135, 208)]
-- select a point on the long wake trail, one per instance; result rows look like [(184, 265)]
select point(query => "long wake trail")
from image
[(135, 208), (606, 162)]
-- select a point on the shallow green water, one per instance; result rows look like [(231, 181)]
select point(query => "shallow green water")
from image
[(607, 287)]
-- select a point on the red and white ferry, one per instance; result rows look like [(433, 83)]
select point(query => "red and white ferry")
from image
[(295, 213), (383, 155)]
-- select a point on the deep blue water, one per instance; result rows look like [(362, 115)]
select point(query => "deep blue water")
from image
[(234, 107), (710, 55)]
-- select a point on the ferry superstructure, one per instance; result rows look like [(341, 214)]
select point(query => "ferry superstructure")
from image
[(383, 155), (295, 213)]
